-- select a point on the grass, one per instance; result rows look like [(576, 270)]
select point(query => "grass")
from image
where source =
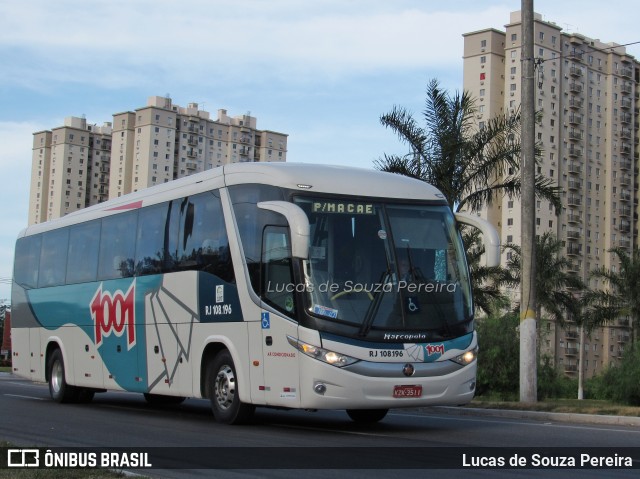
[(585, 406), (5, 369)]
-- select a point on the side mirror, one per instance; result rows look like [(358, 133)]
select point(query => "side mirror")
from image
[(298, 225), (489, 236)]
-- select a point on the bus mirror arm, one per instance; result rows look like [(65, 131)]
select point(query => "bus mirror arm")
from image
[(489, 235), (298, 225)]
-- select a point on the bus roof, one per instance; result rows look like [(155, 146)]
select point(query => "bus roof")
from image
[(295, 176)]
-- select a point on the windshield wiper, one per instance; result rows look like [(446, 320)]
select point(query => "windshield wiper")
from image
[(373, 308)]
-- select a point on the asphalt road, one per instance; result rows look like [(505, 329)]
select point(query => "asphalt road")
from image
[(278, 440)]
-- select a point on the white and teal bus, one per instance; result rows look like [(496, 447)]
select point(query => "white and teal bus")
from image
[(274, 284)]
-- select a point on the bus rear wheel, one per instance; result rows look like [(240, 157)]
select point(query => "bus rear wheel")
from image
[(59, 390), (367, 416), (223, 391)]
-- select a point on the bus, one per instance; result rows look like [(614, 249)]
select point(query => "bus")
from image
[(285, 285)]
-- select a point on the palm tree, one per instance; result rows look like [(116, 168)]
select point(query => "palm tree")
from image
[(558, 290), (470, 167), (559, 293), (622, 297), (488, 295)]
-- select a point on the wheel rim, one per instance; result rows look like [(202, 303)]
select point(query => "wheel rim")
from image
[(56, 377), (225, 387)]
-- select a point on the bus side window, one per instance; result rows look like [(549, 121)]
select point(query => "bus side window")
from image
[(82, 264), (53, 258), (277, 276), (202, 242), (117, 246), (150, 243), (27, 261)]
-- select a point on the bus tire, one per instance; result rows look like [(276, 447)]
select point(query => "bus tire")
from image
[(223, 391), (59, 390), (367, 416)]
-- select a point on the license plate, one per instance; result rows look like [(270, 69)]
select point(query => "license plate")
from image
[(407, 391)]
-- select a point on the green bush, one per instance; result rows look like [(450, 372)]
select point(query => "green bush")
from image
[(619, 383), (552, 384), (498, 363)]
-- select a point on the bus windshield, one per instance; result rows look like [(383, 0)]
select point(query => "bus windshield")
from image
[(385, 266)]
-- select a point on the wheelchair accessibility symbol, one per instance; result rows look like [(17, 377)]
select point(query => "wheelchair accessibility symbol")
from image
[(413, 305), (266, 322)]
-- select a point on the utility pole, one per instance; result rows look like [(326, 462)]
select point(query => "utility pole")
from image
[(528, 328)]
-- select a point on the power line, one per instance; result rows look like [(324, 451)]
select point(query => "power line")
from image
[(589, 49)]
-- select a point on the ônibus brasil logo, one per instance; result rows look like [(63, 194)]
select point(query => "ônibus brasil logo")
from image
[(114, 313)]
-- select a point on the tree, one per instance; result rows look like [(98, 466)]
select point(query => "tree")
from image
[(470, 166), (487, 282), (622, 294), (558, 290)]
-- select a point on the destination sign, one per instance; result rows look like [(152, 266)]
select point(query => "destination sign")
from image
[(343, 207)]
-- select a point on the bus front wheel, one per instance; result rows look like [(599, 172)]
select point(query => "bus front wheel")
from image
[(367, 416), (223, 391), (59, 390)]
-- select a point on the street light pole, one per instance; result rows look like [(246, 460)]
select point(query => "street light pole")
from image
[(528, 328)]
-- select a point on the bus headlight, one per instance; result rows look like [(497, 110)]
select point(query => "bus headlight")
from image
[(324, 355), (467, 357)]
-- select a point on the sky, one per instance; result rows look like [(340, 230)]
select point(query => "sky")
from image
[(322, 71)]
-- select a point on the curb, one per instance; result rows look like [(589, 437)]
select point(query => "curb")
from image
[(539, 415)]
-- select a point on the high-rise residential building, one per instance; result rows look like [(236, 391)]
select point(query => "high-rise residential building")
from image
[(70, 169), (587, 95), (79, 164)]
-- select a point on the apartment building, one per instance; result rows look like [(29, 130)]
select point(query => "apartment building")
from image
[(587, 93), (161, 142), (70, 169), (79, 164)]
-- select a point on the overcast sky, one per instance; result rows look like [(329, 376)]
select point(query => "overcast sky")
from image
[(322, 71)]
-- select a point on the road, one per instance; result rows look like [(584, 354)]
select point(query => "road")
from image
[(397, 446)]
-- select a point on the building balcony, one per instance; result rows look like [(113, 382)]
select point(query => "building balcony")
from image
[(625, 211), (575, 87), (625, 118), (575, 135), (625, 165), (575, 102), (573, 235), (624, 227), (573, 249), (625, 195), (573, 218), (575, 168), (624, 243), (576, 55), (575, 71), (571, 334), (574, 200), (625, 180), (626, 72), (192, 153), (574, 184), (570, 351), (626, 103), (626, 89), (575, 119), (575, 152)]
